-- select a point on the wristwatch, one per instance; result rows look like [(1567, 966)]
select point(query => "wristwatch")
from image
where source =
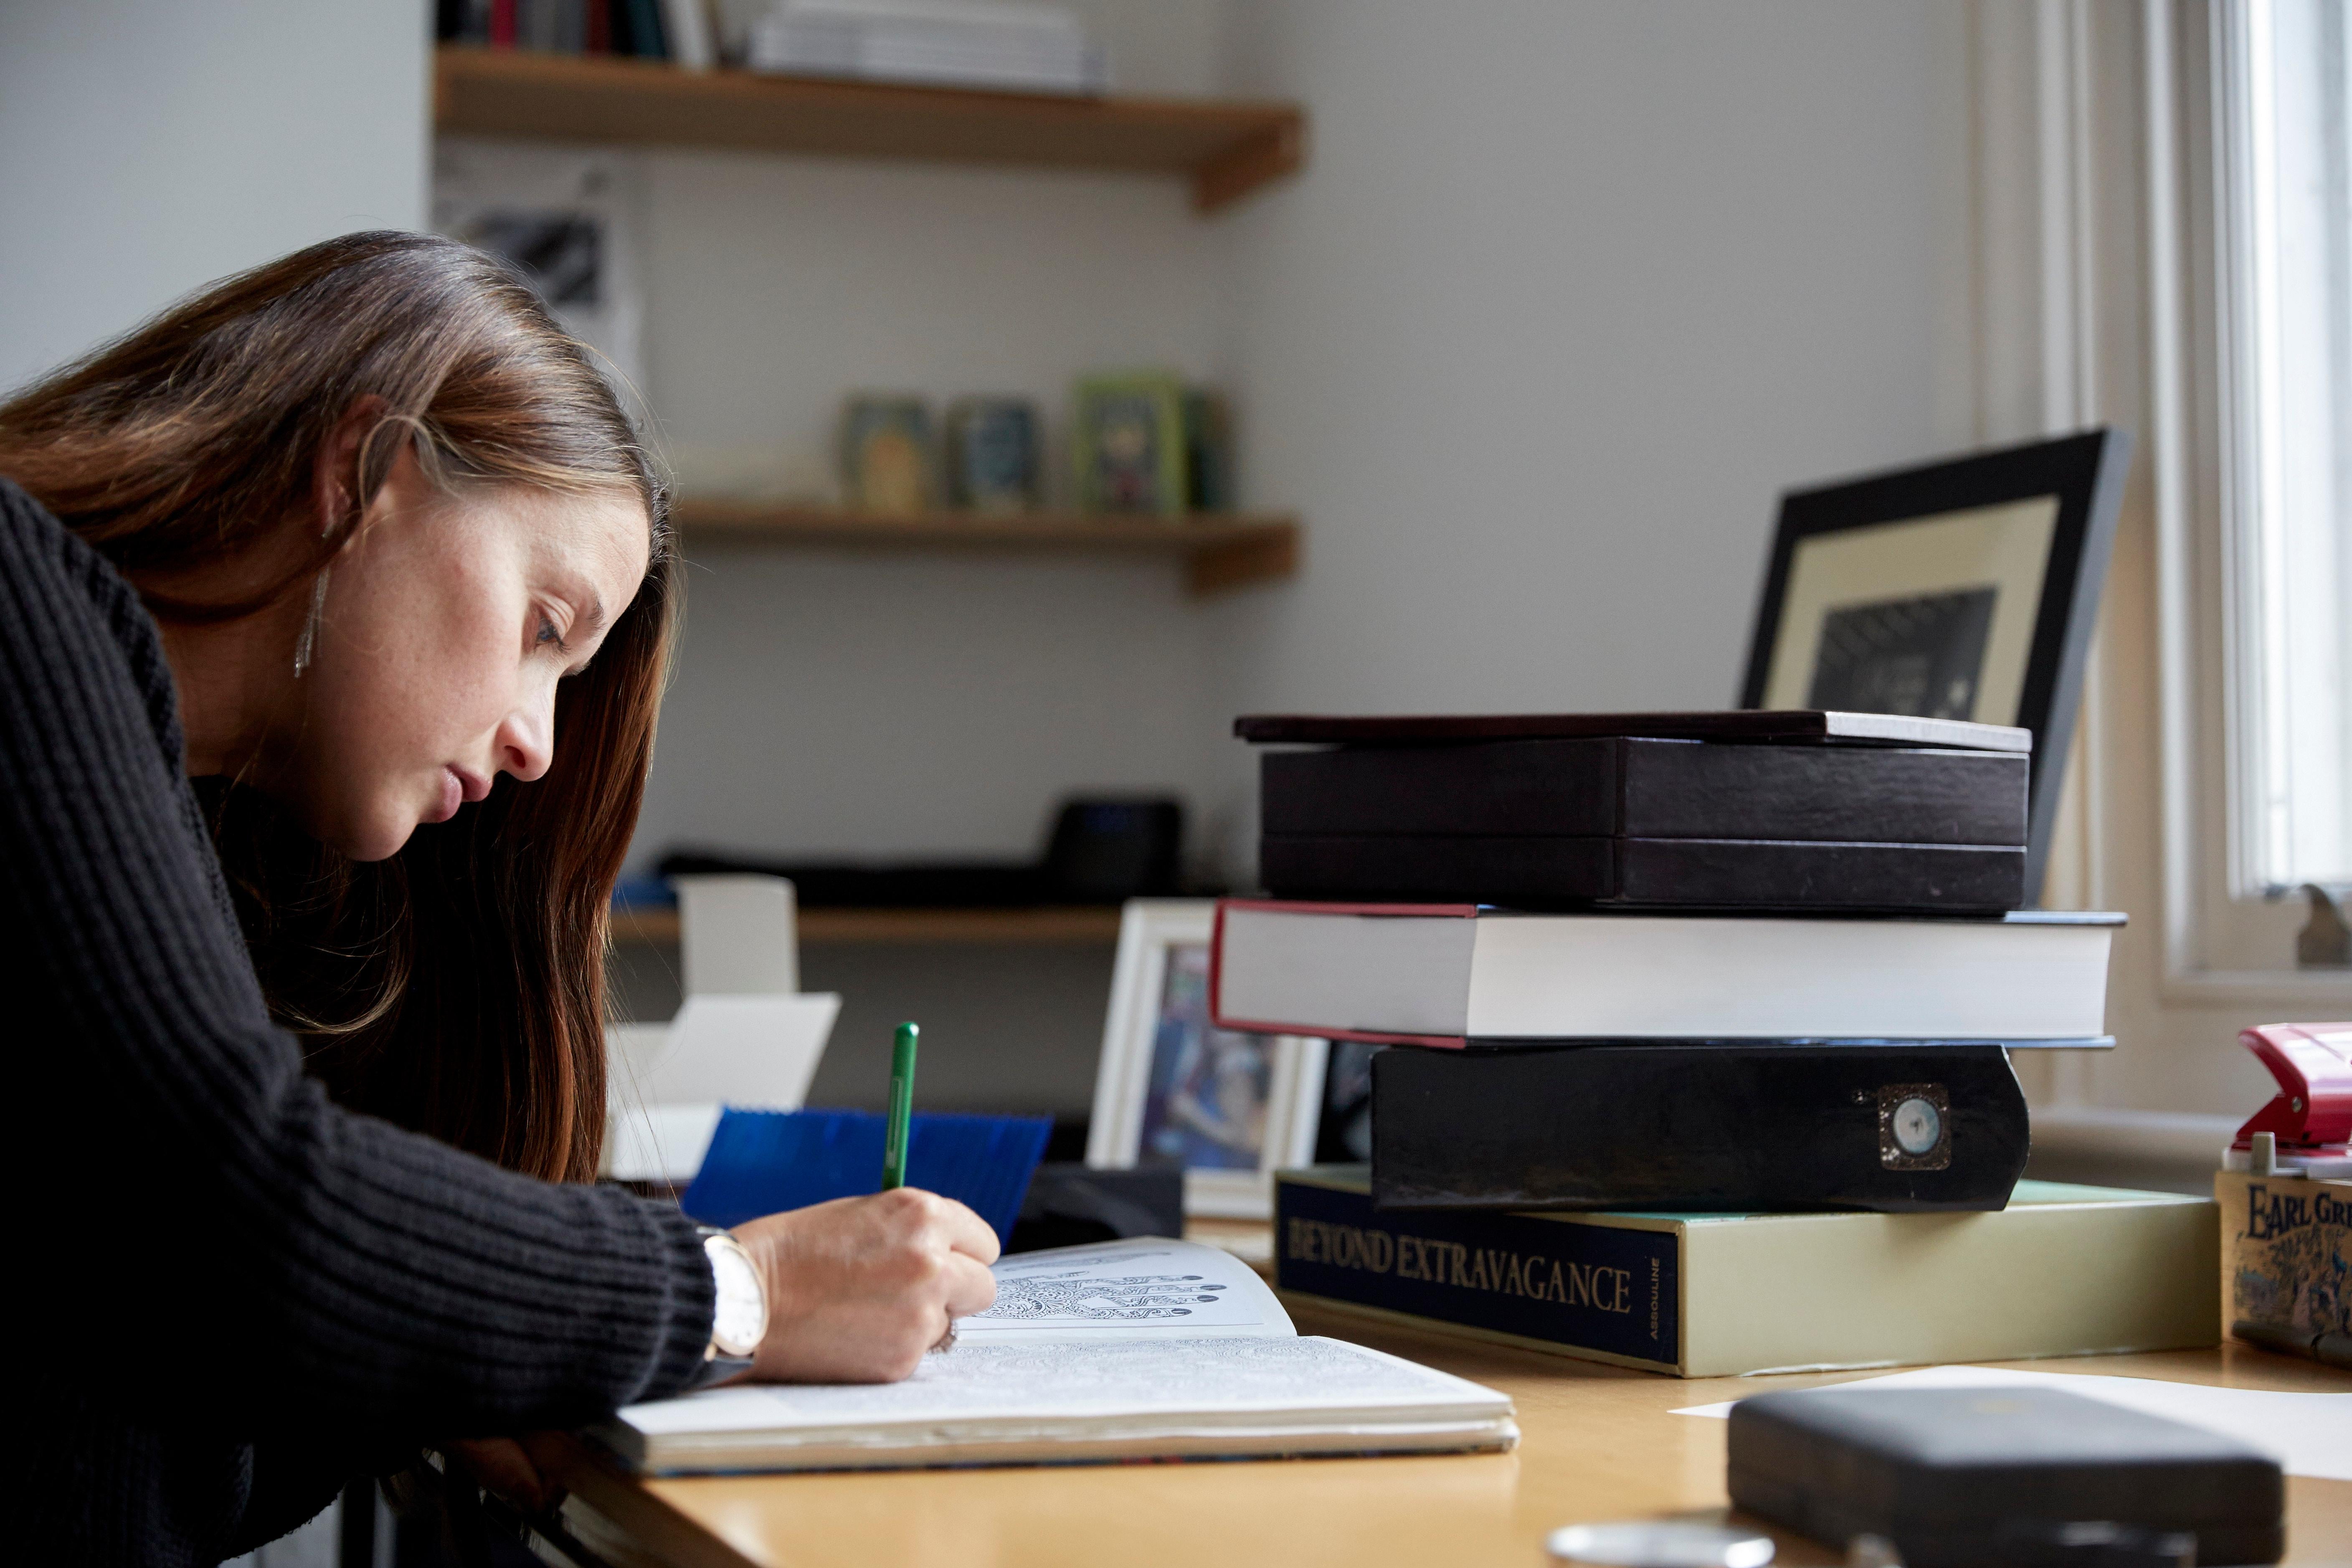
[(740, 1319)]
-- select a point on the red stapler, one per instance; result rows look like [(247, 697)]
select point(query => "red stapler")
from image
[(2307, 1131)]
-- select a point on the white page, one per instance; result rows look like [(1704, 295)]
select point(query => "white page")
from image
[(660, 1142), (668, 1080), (758, 1052), (2309, 1433), (1144, 1287), (1055, 1384)]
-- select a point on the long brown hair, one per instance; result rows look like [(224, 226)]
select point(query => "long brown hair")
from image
[(458, 987)]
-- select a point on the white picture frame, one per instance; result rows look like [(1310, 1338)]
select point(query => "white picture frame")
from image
[(1145, 1107)]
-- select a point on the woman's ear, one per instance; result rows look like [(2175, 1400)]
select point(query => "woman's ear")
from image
[(338, 477)]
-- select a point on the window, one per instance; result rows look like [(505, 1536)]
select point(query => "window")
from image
[(2283, 184)]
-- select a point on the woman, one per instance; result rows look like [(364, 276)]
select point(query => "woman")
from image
[(301, 586)]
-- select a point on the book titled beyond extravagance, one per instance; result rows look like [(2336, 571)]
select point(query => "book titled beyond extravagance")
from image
[(2062, 1270)]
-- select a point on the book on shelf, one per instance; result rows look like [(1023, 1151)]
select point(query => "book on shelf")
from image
[(1725, 1128), (2061, 1271), (676, 31), (1021, 47), (1145, 1348), (1451, 974)]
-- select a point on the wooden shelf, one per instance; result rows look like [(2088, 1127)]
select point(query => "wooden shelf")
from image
[(1220, 551), (1223, 150), (1073, 926)]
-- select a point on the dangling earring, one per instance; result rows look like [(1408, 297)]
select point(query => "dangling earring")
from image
[(307, 643)]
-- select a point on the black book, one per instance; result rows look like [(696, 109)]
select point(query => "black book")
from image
[(1648, 873), (1701, 1129), (1631, 787)]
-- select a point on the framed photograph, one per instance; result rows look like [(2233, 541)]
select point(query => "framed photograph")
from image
[(1208, 451), (1964, 589), (1228, 1109), (886, 464), (993, 446), (1128, 435)]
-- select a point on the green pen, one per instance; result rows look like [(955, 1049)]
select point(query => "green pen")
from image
[(902, 1107)]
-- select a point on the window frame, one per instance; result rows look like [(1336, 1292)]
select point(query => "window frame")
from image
[(2225, 936)]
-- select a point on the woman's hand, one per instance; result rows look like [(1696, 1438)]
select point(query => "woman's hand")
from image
[(519, 1469), (858, 1289)]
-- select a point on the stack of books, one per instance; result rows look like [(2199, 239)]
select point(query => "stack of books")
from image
[(1697, 964), (675, 31), (1009, 48)]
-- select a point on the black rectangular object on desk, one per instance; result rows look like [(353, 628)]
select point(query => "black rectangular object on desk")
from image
[(1960, 1477), (1646, 873), (1070, 1205), (1645, 788), (1701, 1129)]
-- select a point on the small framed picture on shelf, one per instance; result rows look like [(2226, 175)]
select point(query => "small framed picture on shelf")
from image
[(1227, 1109), (1128, 436), (886, 464), (993, 443), (1208, 451)]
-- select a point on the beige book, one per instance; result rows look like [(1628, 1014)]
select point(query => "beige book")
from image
[(2062, 1270)]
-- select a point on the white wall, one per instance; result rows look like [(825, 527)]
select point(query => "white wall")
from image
[(1567, 295), (147, 148)]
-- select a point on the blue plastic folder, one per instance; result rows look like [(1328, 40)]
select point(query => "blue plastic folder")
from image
[(763, 1160)]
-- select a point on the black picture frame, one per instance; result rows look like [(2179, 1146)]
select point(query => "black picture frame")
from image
[(2085, 472)]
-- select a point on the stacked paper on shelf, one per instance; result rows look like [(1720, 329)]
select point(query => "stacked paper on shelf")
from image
[(1022, 49)]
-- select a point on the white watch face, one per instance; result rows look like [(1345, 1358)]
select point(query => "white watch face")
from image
[(741, 1320)]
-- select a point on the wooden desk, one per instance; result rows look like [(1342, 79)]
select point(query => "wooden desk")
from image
[(1597, 1443)]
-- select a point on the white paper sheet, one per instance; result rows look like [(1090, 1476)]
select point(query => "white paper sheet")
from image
[(2309, 1433), (757, 1052), (1146, 1288), (660, 1142), (668, 1080)]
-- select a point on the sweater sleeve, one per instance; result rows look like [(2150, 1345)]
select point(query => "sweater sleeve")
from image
[(224, 1233)]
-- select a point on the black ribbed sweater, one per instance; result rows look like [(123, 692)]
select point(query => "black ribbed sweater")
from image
[(232, 1295)]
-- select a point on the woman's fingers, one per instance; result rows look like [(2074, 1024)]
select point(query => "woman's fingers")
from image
[(970, 1288), (501, 1465), (968, 1233), (860, 1287)]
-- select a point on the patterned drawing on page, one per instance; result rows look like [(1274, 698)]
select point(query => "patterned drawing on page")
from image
[(1135, 1298)]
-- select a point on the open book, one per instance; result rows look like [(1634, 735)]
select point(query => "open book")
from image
[(1131, 1349)]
